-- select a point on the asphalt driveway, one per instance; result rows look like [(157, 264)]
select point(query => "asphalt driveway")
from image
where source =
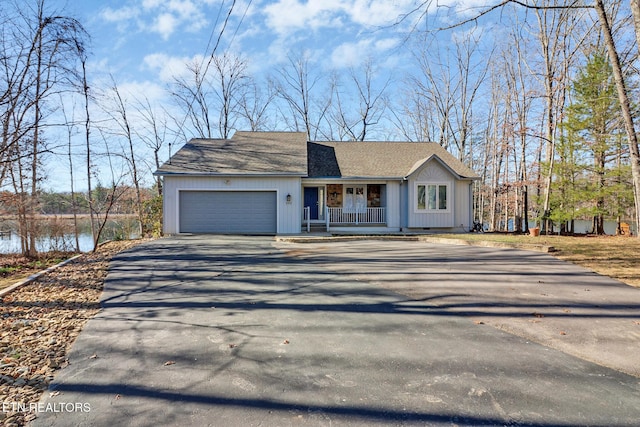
[(222, 331)]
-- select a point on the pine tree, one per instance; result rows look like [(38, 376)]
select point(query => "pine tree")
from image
[(593, 127)]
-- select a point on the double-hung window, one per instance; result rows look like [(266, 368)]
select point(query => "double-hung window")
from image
[(432, 197)]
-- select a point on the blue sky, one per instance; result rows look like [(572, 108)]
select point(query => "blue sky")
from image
[(143, 44), (148, 41)]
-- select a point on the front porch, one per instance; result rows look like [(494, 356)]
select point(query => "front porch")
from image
[(358, 206), (341, 217)]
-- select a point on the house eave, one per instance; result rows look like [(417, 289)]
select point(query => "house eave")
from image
[(234, 175), (353, 178), (420, 164)]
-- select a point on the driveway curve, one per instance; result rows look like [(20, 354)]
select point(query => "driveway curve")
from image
[(228, 330)]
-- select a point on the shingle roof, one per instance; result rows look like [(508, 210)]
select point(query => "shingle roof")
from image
[(289, 153), (377, 159), (245, 153)]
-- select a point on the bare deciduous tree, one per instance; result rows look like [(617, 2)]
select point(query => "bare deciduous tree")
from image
[(155, 134), (254, 106), (371, 103), (210, 97), (40, 49), (118, 111), (301, 92)]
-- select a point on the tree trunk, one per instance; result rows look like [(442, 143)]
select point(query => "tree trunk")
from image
[(36, 141), (74, 204), (623, 95), (87, 133)]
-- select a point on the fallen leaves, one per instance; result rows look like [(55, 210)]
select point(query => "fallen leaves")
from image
[(41, 319)]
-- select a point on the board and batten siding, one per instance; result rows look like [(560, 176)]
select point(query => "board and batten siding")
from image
[(432, 172), (463, 204), (288, 214), (393, 204)]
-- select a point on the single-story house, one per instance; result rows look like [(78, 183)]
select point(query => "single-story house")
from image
[(280, 183)]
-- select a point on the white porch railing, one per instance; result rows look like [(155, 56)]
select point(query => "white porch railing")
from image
[(352, 216)]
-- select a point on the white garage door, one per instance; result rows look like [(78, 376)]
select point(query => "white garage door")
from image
[(233, 212)]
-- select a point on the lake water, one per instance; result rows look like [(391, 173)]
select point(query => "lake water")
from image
[(63, 239), (10, 243)]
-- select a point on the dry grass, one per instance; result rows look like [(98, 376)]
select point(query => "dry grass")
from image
[(614, 256)]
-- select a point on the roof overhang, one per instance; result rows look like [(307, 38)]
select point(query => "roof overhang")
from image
[(227, 175), (420, 163), (353, 178)]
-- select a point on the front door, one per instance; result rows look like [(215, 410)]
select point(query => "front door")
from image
[(311, 200)]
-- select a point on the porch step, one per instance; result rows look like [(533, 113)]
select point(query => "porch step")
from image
[(315, 228)]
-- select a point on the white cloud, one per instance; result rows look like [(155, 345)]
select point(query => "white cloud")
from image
[(355, 53), (378, 12), (169, 67), (286, 16), (165, 24), (185, 8), (385, 44), (138, 91), (164, 17), (349, 54), (470, 7), (118, 15), (152, 4)]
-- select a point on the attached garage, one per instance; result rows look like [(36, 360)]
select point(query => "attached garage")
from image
[(233, 212)]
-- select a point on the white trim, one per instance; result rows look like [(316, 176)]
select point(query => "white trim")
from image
[(322, 188), (426, 209)]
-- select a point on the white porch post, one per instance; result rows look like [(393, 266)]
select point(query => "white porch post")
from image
[(326, 216)]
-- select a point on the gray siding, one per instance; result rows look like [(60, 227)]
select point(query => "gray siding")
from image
[(288, 218), (432, 172), (464, 202), (394, 201)]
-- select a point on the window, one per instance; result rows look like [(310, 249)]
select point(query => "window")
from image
[(373, 196), (354, 200), (432, 197)]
